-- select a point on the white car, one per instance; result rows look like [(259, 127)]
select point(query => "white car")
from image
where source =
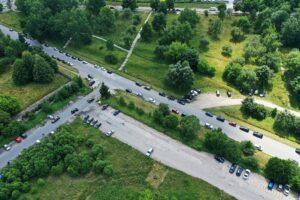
[(149, 152), (84, 62), (55, 49), (207, 125), (246, 174), (258, 147), (152, 100), (139, 94), (7, 147), (52, 132), (38, 141), (109, 133)]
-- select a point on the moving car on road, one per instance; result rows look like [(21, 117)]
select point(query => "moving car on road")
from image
[(149, 152)]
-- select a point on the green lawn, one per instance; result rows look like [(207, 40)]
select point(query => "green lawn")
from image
[(96, 52), (133, 173), (12, 20), (265, 126), (29, 93)]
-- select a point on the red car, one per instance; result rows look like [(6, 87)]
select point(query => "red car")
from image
[(232, 124), (175, 111), (18, 139)]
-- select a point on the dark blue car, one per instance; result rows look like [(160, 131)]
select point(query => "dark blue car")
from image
[(270, 185)]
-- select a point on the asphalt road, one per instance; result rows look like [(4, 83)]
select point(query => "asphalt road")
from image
[(114, 81)]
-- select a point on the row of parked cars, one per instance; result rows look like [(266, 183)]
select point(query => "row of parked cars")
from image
[(285, 189), (91, 121)]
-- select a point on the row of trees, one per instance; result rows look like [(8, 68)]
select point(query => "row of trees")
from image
[(59, 153), (250, 108), (287, 123), (242, 153)]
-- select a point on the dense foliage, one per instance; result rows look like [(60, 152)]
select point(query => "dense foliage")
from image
[(250, 108)]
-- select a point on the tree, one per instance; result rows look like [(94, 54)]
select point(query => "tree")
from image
[(158, 116), (109, 45), (280, 171), (181, 32), (227, 50), (127, 40), (159, 22), (264, 74), (108, 170), (271, 40), (190, 16), (111, 58), (170, 4), (94, 6), (42, 72), (146, 33), (154, 4), (99, 165), (204, 68), (171, 121), (106, 20), (104, 91), (222, 9), (203, 44), (290, 32), (161, 51), (1, 7), (247, 5), (9, 104), (20, 74), (176, 50), (4, 118), (253, 109), (215, 28), (162, 7), (247, 79), (270, 59), (237, 35), (132, 4), (192, 56), (189, 126), (180, 76), (164, 109), (247, 148), (278, 18), (243, 23), (232, 72)]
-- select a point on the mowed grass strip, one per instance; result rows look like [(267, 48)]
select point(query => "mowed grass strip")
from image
[(131, 169), (233, 113), (12, 20)]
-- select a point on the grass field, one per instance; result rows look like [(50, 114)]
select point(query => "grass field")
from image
[(133, 173), (265, 126), (29, 93), (96, 52), (12, 20), (196, 143)]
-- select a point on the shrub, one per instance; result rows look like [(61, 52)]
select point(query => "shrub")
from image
[(121, 101), (131, 105), (111, 59), (205, 69), (41, 182), (250, 163), (226, 50), (140, 111), (108, 170)]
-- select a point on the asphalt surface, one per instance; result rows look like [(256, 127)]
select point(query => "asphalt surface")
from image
[(114, 81), (167, 151)]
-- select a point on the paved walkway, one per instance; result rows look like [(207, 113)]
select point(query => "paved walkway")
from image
[(138, 36), (209, 100), (115, 45)]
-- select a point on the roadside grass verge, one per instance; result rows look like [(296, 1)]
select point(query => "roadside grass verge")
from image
[(146, 118), (12, 20), (131, 169), (233, 113)]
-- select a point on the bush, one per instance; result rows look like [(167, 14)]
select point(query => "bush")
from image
[(121, 101), (226, 50), (205, 69), (136, 20), (99, 166), (248, 148), (57, 170), (250, 163), (252, 109), (108, 170), (111, 59), (46, 107), (203, 44), (131, 105), (140, 111), (171, 121), (41, 182)]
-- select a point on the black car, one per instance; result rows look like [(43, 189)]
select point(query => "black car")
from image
[(171, 98), (23, 136), (162, 94), (90, 100), (147, 88), (188, 96), (60, 51), (90, 120), (138, 84), (198, 90), (86, 117), (73, 57), (90, 76), (128, 90), (232, 168), (94, 123), (183, 114), (98, 125), (79, 59), (74, 110), (228, 93), (209, 114), (220, 159), (298, 151), (180, 101), (257, 134), (239, 171), (91, 83), (105, 106), (55, 119), (110, 72), (221, 119), (243, 128), (68, 55), (116, 112)]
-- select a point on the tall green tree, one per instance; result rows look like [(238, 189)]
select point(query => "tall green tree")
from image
[(104, 91), (20, 74), (132, 4), (146, 33), (154, 4), (190, 16), (106, 20), (215, 28), (159, 22), (189, 126), (264, 75), (94, 6), (170, 4), (42, 72)]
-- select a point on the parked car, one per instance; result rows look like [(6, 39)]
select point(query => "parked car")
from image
[(149, 152), (151, 100), (52, 132), (109, 72), (180, 101), (220, 159), (55, 119), (221, 119), (297, 151), (128, 90), (183, 114), (218, 93), (257, 134), (86, 117), (232, 124), (116, 112), (147, 87), (94, 123), (74, 110), (228, 93), (162, 94), (171, 98), (258, 147), (23, 135), (38, 141), (209, 126), (239, 171), (246, 174), (90, 100), (232, 168), (18, 139), (286, 190), (90, 120), (98, 125), (90, 76), (7, 147), (92, 82), (139, 94), (84, 62), (243, 128), (109, 133), (280, 187), (175, 111), (105, 106), (209, 114), (270, 184), (138, 84)]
